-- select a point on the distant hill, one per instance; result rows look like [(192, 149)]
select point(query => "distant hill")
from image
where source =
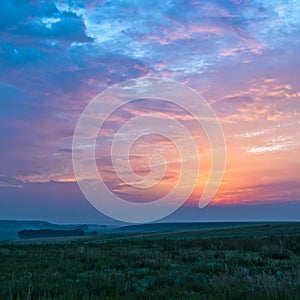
[(9, 228), (48, 233), (177, 227), (12, 225)]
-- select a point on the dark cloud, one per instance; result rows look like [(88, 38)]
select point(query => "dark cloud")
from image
[(25, 22), (14, 13), (66, 26)]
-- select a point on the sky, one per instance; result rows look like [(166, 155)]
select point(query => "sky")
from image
[(241, 56)]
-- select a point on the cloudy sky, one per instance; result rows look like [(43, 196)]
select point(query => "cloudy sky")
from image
[(242, 56)]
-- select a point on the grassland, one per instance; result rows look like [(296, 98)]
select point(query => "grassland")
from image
[(255, 262)]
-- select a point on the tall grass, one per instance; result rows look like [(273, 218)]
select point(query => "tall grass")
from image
[(165, 268)]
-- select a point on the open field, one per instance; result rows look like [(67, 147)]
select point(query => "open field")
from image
[(248, 262)]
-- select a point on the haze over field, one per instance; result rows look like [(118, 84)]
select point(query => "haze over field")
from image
[(242, 56)]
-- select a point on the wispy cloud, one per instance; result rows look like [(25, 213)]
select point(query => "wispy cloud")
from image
[(275, 144)]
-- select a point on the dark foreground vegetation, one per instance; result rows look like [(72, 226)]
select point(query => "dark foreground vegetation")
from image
[(254, 263)]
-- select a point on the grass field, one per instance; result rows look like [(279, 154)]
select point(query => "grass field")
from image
[(255, 262)]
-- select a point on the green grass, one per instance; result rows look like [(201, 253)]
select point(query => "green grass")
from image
[(260, 262)]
